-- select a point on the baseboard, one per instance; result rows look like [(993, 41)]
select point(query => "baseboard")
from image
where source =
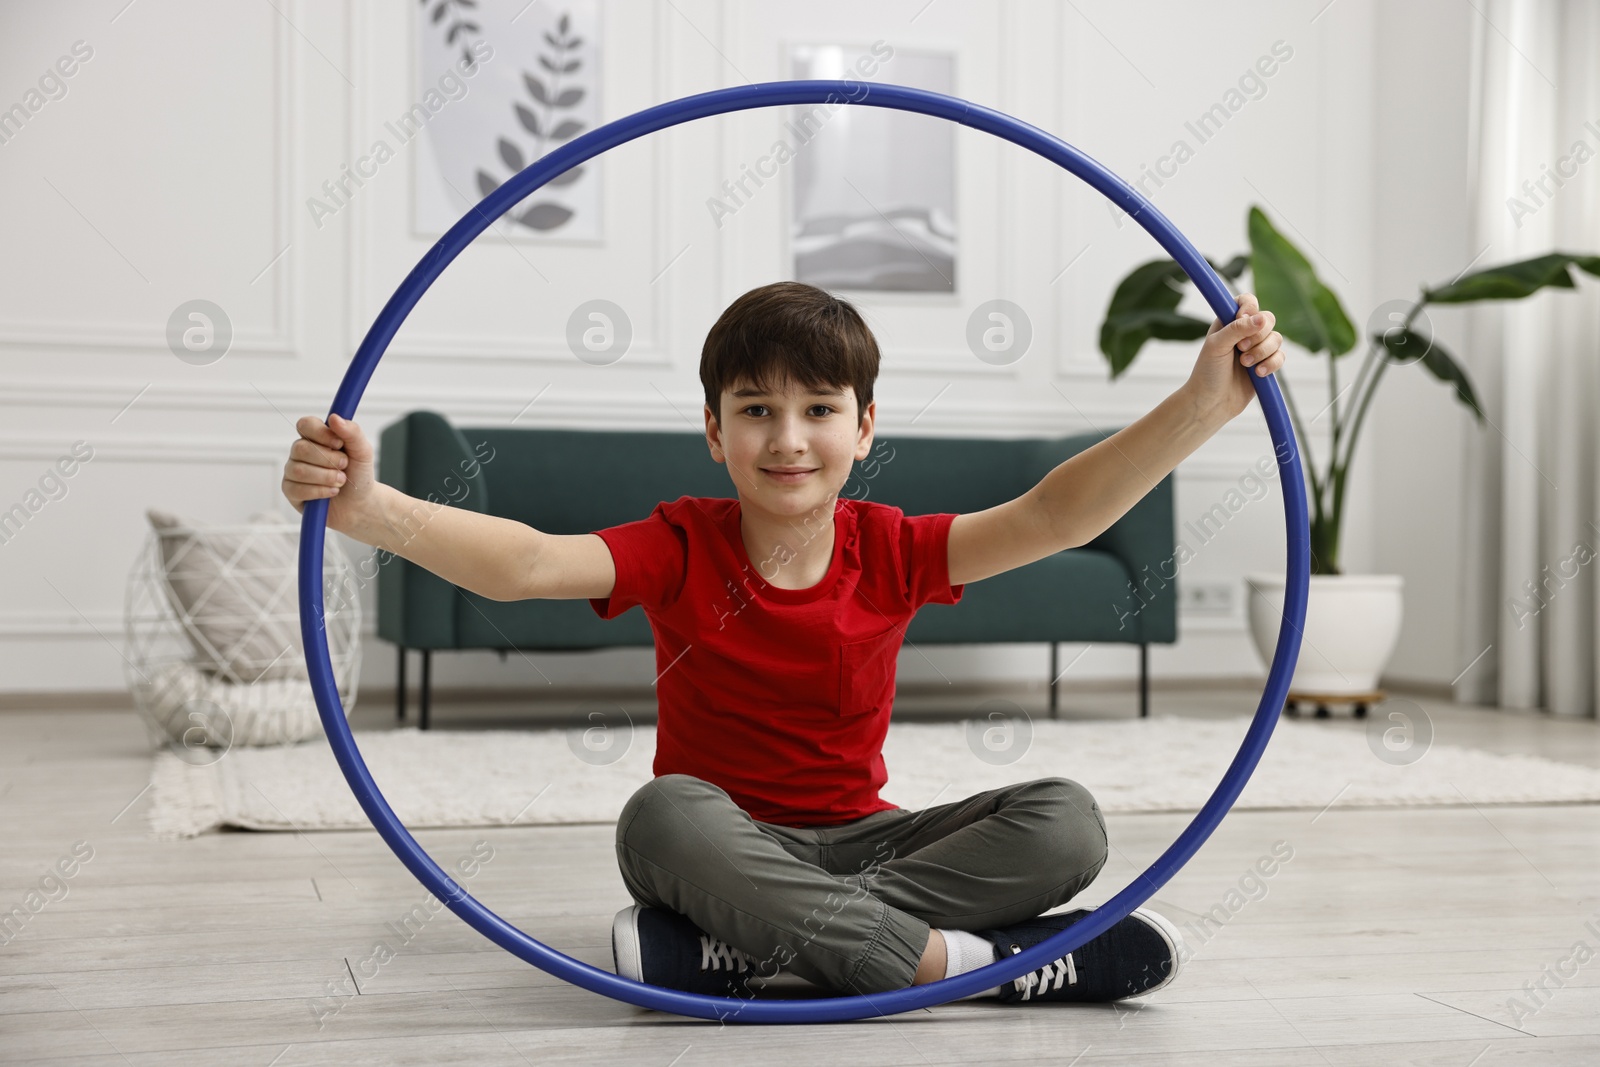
[(112, 699), (1418, 688)]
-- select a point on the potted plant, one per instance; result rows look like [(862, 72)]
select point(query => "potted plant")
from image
[(1352, 620)]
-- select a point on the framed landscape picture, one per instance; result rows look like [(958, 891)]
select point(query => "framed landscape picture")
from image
[(874, 189)]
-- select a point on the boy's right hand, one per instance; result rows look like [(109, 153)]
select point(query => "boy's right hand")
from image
[(331, 459)]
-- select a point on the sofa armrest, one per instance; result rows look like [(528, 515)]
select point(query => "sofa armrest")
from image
[(424, 456), (1144, 539)]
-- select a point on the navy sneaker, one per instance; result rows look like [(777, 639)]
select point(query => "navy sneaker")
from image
[(663, 948), (1137, 956)]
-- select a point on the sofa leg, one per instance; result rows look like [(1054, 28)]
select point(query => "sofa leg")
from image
[(1054, 649), (400, 689), (426, 698), (1144, 680)]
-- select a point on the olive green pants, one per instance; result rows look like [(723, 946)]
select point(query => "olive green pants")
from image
[(849, 907)]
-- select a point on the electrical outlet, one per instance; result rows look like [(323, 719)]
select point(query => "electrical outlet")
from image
[(1208, 598)]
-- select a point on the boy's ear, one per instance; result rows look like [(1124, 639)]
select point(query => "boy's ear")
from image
[(864, 433), (713, 434)]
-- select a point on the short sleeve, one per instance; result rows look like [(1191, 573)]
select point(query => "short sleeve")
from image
[(924, 546), (651, 559)]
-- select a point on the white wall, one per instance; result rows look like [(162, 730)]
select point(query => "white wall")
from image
[(1414, 445), (178, 165)]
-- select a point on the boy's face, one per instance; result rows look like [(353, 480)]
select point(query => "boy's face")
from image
[(814, 431)]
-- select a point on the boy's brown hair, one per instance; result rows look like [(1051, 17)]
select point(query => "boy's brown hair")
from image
[(793, 331)]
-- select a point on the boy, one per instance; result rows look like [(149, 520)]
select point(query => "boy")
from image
[(762, 845)]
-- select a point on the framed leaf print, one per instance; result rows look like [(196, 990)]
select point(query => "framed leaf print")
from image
[(499, 84)]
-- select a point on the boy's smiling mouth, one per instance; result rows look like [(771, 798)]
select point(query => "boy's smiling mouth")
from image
[(788, 474)]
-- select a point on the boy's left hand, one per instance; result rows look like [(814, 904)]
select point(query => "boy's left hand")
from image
[(1220, 382)]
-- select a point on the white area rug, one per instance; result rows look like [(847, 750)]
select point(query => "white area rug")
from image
[(1164, 763)]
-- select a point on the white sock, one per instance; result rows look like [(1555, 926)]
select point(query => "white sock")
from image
[(965, 951)]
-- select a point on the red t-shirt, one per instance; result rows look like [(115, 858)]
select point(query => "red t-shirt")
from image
[(779, 696)]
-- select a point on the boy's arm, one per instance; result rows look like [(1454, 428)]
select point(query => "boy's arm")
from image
[(485, 554), (488, 555), (1084, 495), (1080, 499)]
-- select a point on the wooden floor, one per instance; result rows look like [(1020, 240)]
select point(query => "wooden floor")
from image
[(1398, 936)]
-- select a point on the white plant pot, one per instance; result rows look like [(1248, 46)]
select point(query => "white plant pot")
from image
[(1352, 625)]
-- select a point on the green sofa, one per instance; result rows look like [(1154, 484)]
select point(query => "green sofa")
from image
[(575, 481)]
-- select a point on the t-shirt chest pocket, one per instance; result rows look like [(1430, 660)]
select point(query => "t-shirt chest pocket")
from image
[(866, 672)]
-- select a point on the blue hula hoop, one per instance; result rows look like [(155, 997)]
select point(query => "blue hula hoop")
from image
[(718, 102)]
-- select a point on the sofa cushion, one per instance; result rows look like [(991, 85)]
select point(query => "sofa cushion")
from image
[(1083, 592)]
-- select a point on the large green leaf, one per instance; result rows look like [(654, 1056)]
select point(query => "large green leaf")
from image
[(1233, 268), (1513, 281), (1122, 337), (1156, 284), (1144, 306), (1403, 344), (1307, 312)]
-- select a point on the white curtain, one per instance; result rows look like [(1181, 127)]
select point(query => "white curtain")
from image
[(1531, 525)]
